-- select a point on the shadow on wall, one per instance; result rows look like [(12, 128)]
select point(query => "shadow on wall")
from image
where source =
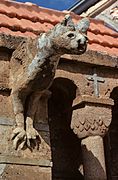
[(93, 169), (66, 148), (111, 140)]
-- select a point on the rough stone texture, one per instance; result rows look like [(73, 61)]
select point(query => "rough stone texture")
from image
[(70, 83), (93, 119), (10, 42), (77, 70), (18, 172), (93, 100), (7, 122), (32, 69), (93, 158), (93, 58), (12, 69), (2, 168)]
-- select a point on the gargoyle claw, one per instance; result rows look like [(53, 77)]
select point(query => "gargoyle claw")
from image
[(32, 136), (18, 137), (21, 137)]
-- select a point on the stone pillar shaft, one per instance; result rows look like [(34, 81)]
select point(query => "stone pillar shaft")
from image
[(93, 158), (91, 123)]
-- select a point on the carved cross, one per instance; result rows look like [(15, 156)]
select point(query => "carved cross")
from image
[(95, 80)]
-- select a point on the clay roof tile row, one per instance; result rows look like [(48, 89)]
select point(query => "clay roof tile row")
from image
[(27, 19), (103, 49), (105, 40)]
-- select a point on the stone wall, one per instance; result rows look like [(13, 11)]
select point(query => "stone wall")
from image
[(19, 164), (63, 149), (58, 143)]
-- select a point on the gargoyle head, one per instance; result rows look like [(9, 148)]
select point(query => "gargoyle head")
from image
[(70, 38)]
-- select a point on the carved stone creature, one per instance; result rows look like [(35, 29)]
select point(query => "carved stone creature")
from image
[(33, 67)]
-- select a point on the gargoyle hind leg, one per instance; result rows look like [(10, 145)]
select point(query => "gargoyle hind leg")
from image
[(32, 133), (19, 133)]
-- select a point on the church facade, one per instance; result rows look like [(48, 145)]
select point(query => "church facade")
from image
[(77, 116)]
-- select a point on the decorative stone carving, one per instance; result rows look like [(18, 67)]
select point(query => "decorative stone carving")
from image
[(95, 80), (94, 118), (33, 67)]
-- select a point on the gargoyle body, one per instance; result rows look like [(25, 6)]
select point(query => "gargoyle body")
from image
[(33, 67)]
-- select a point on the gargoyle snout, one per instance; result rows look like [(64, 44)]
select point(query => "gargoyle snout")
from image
[(82, 41), (82, 44)]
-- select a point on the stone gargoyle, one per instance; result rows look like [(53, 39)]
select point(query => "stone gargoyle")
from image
[(33, 66)]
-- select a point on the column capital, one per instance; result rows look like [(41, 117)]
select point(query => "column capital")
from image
[(94, 118)]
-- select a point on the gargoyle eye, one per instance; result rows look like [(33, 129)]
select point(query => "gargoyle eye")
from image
[(71, 35)]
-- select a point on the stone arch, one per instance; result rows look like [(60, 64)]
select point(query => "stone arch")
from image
[(111, 139), (66, 148)]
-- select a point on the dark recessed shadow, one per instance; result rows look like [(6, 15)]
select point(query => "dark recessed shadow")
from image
[(111, 140), (65, 146), (93, 167)]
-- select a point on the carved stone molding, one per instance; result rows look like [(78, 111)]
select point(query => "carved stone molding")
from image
[(7, 159), (93, 119)]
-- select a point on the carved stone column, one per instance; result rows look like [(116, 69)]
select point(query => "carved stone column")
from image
[(91, 123)]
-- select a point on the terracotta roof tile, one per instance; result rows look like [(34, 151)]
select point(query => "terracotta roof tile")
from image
[(7, 31), (104, 40), (21, 24), (103, 49), (100, 28), (106, 30), (27, 19)]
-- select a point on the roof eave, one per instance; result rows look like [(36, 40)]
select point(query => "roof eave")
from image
[(81, 6)]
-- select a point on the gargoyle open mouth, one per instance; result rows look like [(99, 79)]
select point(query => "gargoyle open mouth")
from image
[(82, 48)]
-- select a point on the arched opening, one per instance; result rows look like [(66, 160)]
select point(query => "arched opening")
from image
[(66, 148), (111, 140)]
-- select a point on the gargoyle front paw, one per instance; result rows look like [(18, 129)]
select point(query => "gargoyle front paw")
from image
[(32, 137), (19, 137)]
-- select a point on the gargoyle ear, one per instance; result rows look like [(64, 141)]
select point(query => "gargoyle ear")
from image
[(83, 25), (68, 21)]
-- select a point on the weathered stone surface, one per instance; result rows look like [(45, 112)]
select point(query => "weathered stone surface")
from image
[(93, 158), (78, 72), (92, 58), (77, 69), (10, 42), (4, 73), (96, 80), (93, 119), (6, 159), (32, 69), (2, 168), (6, 121), (41, 156), (64, 142), (94, 100), (18, 172), (45, 54)]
